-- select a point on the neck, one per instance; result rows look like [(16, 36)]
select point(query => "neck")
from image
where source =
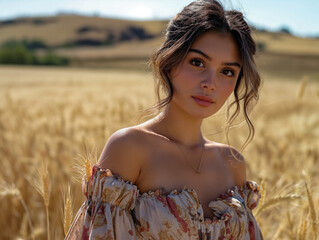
[(180, 127)]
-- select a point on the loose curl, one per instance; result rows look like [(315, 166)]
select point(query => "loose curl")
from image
[(194, 20)]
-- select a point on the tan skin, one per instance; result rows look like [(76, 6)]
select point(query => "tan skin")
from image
[(157, 153)]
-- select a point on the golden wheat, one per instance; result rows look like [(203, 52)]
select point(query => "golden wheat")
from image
[(302, 88), (11, 190), (276, 200), (302, 229), (79, 110), (67, 209), (42, 184), (263, 192), (278, 231), (87, 166), (312, 210), (291, 227)]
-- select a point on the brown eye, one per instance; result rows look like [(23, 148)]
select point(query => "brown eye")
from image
[(229, 73), (197, 63)]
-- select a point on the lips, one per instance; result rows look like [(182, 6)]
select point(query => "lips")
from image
[(204, 98), (203, 101)]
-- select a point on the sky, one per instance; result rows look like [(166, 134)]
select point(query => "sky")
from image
[(300, 16)]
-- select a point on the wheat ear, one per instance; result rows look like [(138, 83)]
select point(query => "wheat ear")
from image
[(67, 209), (42, 184), (87, 167)]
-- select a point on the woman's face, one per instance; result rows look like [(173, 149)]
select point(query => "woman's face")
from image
[(210, 69)]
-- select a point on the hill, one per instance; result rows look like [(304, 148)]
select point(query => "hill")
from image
[(114, 43), (59, 31), (65, 31)]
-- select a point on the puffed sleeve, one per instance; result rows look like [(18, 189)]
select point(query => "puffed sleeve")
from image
[(106, 214), (251, 195), (234, 218)]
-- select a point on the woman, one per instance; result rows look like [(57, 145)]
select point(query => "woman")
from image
[(162, 179)]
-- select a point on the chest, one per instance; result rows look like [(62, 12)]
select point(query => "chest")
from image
[(170, 169)]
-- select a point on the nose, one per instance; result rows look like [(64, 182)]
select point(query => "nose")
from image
[(209, 82)]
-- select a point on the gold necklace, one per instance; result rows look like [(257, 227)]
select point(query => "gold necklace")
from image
[(200, 161)]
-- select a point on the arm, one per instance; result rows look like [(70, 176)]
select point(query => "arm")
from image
[(106, 213)]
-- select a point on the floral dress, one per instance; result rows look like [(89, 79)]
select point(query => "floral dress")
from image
[(115, 209)]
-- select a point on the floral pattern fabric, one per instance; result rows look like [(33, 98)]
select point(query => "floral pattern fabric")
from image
[(115, 209)]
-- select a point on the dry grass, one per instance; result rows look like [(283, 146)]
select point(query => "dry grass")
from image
[(63, 116)]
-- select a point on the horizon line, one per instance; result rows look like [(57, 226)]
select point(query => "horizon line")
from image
[(153, 18)]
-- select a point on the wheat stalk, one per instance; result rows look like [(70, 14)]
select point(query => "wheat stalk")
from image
[(46, 198), (313, 214), (23, 232), (262, 196), (263, 192), (302, 87), (12, 190), (291, 226), (281, 227), (302, 229), (273, 201)]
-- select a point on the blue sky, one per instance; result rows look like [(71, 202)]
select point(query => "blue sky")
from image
[(300, 16)]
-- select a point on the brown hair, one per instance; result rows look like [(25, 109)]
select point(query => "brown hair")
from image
[(194, 20)]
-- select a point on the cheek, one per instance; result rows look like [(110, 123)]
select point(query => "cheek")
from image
[(183, 81), (228, 88)]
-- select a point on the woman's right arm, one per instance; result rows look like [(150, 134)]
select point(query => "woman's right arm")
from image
[(106, 214)]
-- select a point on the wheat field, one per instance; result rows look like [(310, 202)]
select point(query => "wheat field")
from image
[(54, 123)]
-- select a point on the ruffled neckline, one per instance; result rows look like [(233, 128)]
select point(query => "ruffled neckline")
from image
[(250, 186)]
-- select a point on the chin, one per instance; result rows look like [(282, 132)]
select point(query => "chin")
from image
[(203, 113)]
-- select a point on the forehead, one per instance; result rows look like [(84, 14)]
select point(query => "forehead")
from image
[(218, 45)]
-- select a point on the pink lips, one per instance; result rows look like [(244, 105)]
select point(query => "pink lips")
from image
[(203, 101)]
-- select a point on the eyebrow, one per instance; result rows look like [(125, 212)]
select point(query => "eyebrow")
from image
[(236, 64)]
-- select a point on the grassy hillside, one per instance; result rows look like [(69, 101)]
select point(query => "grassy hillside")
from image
[(122, 44), (280, 43), (58, 30)]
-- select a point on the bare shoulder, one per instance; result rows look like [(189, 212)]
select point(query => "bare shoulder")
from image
[(235, 161), (123, 154)]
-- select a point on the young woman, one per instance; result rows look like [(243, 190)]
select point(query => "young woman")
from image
[(163, 179)]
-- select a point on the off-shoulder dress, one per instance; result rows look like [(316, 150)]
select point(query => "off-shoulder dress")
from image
[(115, 209)]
